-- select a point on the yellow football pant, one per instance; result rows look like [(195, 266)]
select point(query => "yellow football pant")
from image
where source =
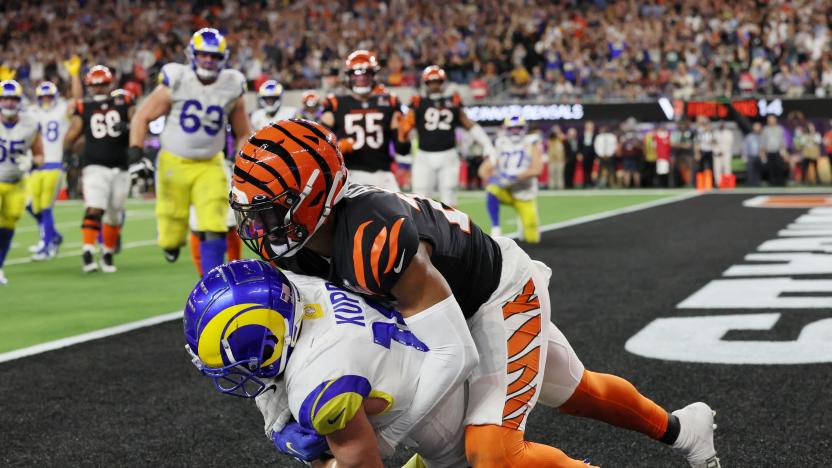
[(12, 203), (526, 210), (43, 187), (182, 182)]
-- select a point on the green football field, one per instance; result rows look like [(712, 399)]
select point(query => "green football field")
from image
[(49, 300)]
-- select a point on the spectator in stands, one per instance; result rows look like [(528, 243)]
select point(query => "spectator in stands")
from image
[(751, 154), (572, 151), (556, 158), (606, 145), (587, 149), (773, 140)]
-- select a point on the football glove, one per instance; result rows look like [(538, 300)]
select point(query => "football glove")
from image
[(135, 154), (73, 65), (503, 180), (273, 404), (302, 444)]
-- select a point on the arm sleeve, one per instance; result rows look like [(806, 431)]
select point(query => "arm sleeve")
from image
[(451, 358), (333, 403)]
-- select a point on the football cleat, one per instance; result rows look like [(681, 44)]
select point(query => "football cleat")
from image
[(88, 262), (46, 253), (171, 254), (3, 280), (107, 265), (33, 249), (696, 435)]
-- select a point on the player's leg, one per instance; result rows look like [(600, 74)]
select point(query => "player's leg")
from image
[(423, 178), (12, 204), (193, 240), (529, 219), (511, 338), (33, 186), (97, 182), (111, 230), (448, 172), (234, 249), (173, 198), (210, 197), (43, 199), (494, 196)]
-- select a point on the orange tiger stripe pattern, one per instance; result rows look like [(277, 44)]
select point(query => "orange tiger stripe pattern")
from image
[(523, 356), (358, 254)]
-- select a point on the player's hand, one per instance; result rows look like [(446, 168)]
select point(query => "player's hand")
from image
[(505, 180), (37, 160), (300, 443), (73, 65), (273, 403), (134, 154), (345, 145)]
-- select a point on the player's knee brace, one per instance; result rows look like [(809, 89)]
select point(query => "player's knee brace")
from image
[(493, 446)]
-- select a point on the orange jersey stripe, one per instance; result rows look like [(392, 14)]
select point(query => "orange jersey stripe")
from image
[(358, 254), (394, 245), (375, 252), (524, 335), (523, 302), (528, 365), (517, 402)]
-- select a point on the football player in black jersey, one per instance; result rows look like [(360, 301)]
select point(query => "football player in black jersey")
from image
[(103, 119), (366, 121), (436, 115), (296, 205)]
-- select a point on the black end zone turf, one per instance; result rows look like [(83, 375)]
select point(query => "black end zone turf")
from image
[(135, 400)]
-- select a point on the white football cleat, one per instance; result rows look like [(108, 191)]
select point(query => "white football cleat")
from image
[(107, 265), (33, 249), (696, 435), (88, 264), (47, 253), (3, 279)]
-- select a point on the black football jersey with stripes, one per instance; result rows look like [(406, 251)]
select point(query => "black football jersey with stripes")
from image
[(368, 123), (106, 136), (436, 121), (377, 233)]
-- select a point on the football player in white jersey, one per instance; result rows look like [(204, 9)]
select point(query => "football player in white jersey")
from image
[(199, 99), (52, 113), (512, 177), (270, 98), (19, 134), (348, 366)]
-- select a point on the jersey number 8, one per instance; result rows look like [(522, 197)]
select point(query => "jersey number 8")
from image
[(365, 129)]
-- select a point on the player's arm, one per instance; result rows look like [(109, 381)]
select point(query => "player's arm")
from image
[(37, 150), (536, 167), (73, 67), (488, 165), (401, 143), (156, 105), (477, 133), (76, 126), (239, 123), (407, 124), (353, 446)]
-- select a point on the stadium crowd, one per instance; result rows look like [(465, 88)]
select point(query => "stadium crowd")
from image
[(528, 48)]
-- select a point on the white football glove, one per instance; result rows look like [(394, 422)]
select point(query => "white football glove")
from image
[(273, 403)]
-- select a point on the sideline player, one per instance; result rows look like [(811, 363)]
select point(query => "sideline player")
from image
[(103, 120), (347, 354), (53, 114), (512, 178), (19, 133), (366, 121), (436, 115), (199, 99), (293, 207), (310, 106), (270, 98)]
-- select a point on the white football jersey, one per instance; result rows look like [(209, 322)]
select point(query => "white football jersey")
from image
[(53, 127), (260, 118), (15, 142), (514, 158), (195, 126), (349, 350)]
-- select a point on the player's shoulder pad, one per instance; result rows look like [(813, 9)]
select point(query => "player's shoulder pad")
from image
[(171, 74), (235, 79), (378, 239), (331, 103), (333, 403), (532, 138)]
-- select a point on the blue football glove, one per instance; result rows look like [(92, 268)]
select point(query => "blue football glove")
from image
[(300, 443)]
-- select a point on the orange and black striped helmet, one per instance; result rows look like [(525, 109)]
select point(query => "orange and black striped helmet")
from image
[(433, 73), (286, 180), (361, 67), (98, 75)]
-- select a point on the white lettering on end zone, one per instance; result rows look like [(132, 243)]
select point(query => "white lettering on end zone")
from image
[(699, 339), (783, 264), (760, 293)]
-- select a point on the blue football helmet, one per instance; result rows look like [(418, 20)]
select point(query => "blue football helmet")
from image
[(515, 127), (208, 53), (241, 325), (45, 90), (270, 96), (11, 97)]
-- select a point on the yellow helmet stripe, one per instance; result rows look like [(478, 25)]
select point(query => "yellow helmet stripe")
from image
[(237, 316)]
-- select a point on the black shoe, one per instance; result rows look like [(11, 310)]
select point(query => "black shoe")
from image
[(89, 264), (107, 265), (171, 254), (118, 243)]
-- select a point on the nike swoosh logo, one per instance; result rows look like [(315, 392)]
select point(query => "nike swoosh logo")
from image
[(271, 387), (337, 417), (292, 449), (398, 268)]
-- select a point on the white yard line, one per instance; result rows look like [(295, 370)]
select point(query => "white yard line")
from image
[(77, 253), (83, 338), (95, 335)]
